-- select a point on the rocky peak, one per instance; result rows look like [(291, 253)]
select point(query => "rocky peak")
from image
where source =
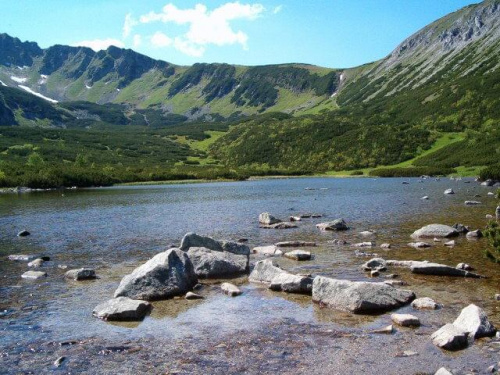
[(17, 53)]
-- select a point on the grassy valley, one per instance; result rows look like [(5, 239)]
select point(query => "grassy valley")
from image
[(430, 107)]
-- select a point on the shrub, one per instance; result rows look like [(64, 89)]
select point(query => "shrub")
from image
[(493, 234), (411, 172)]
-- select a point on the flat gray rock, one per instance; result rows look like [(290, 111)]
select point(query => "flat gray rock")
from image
[(435, 230), (217, 264), (335, 225), (266, 218), (450, 337), (440, 270), (166, 275), (231, 289), (406, 320), (419, 245), (474, 321), (122, 308), (424, 303), (359, 297), (405, 263), (280, 280), (298, 255), (194, 240), (80, 274), (280, 225), (34, 275), (270, 251)]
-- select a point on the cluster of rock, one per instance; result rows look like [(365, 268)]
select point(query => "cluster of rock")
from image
[(39, 261), (175, 272), (472, 323)]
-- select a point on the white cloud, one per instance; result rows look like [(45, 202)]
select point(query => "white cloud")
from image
[(277, 9), (99, 44), (187, 48), (137, 40), (205, 27), (128, 25), (160, 40)]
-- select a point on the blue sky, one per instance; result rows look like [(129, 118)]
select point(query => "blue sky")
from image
[(331, 33)]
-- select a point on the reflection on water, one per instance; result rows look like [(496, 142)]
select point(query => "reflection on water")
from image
[(116, 229)]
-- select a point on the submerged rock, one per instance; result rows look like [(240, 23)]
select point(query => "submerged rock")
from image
[(265, 271), (192, 296), (230, 289), (23, 233), (281, 225), (385, 330), (34, 275), (450, 243), (475, 234), (359, 297), (419, 245), (424, 303), (295, 244), (364, 244), (443, 371), (298, 255), (166, 275), (435, 230), (337, 224), (450, 337), (271, 251), (80, 274), (37, 263), (217, 264), (437, 269), (474, 321), (464, 266), (385, 246), (378, 264), (449, 191), (472, 203), (122, 308), (267, 219), (22, 257), (405, 320)]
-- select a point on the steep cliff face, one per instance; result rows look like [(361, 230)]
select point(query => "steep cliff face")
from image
[(17, 53), (459, 44)]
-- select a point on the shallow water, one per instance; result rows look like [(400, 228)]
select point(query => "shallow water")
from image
[(116, 229)]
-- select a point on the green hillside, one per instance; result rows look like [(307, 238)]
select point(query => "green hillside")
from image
[(431, 107)]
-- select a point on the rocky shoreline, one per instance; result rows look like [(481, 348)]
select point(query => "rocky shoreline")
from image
[(185, 272)]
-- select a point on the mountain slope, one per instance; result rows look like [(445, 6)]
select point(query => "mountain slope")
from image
[(444, 78), (202, 91), (455, 46)]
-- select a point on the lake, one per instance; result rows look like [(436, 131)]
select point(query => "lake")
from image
[(116, 229)]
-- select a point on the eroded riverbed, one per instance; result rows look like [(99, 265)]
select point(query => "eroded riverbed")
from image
[(116, 229)]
